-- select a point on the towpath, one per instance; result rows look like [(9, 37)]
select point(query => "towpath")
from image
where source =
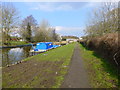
[(77, 76)]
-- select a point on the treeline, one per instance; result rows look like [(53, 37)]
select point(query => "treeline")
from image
[(103, 20), (28, 28), (32, 32), (102, 32), (68, 37)]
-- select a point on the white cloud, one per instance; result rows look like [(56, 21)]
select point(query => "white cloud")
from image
[(62, 6), (52, 7), (76, 31), (61, 28), (44, 7), (58, 28)]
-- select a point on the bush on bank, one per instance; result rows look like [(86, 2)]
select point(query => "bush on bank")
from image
[(107, 46)]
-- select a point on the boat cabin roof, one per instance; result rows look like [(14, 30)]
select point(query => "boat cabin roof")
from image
[(44, 43)]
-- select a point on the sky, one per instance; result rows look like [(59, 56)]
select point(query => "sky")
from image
[(69, 18)]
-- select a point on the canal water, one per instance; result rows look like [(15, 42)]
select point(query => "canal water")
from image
[(12, 55)]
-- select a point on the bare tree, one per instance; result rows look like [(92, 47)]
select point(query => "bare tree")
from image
[(104, 19), (41, 34), (28, 28), (45, 32), (9, 20), (52, 34)]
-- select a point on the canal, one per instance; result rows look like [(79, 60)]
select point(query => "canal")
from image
[(13, 55)]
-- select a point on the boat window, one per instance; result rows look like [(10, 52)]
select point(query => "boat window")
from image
[(49, 44)]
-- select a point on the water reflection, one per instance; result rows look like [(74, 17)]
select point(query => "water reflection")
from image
[(12, 55)]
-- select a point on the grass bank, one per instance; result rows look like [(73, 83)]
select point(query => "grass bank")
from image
[(46, 70), (101, 73), (14, 43)]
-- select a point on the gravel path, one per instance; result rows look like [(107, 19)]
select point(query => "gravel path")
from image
[(77, 76)]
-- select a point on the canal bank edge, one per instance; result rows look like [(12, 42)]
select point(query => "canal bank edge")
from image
[(1, 47)]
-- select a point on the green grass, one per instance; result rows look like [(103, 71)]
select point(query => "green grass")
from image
[(101, 73), (13, 43), (60, 53), (63, 54)]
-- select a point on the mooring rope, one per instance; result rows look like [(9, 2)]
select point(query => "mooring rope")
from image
[(32, 46)]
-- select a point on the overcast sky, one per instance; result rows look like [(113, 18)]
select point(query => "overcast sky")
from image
[(69, 18)]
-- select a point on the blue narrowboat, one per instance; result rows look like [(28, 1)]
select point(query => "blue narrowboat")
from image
[(44, 46), (55, 46)]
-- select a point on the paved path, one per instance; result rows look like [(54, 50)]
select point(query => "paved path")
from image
[(77, 76)]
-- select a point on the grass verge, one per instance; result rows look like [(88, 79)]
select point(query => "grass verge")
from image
[(46, 70), (13, 43), (101, 73)]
